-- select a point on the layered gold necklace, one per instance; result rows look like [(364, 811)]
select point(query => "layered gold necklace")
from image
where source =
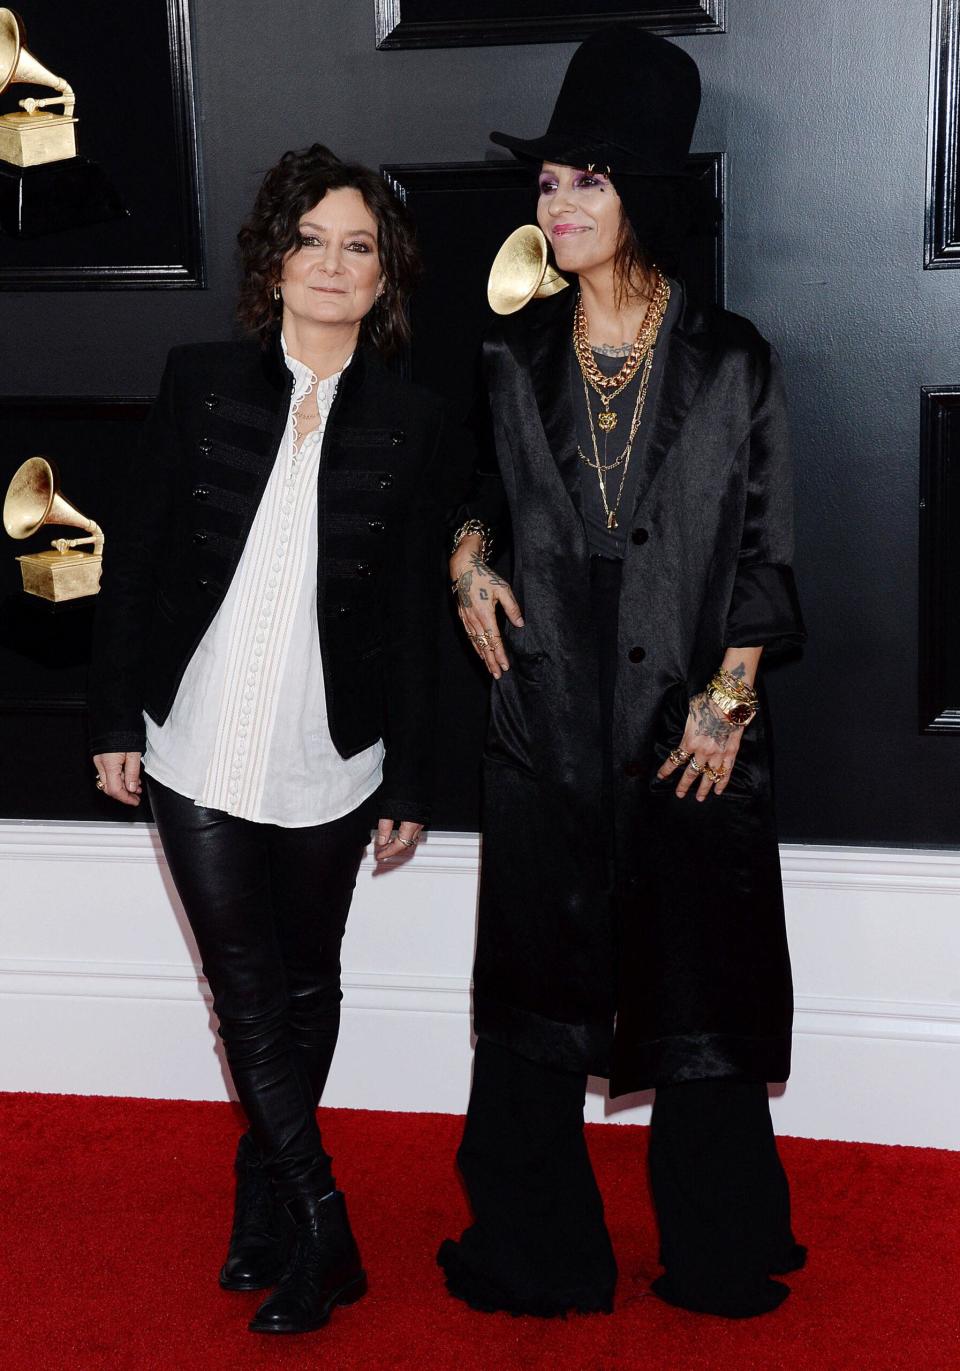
[(609, 387)]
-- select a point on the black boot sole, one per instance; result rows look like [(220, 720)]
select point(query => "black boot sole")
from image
[(348, 1294)]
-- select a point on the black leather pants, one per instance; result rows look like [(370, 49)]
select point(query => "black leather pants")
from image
[(268, 907)]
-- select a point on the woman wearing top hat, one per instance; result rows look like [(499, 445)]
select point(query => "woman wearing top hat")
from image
[(631, 917)]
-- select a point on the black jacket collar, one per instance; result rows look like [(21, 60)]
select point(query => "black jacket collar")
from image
[(280, 379)]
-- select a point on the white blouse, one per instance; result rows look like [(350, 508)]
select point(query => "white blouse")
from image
[(248, 730)]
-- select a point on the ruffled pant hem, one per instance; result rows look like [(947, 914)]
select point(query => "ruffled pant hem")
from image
[(487, 1296)]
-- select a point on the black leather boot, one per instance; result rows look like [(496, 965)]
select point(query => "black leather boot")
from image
[(324, 1268), (261, 1233)]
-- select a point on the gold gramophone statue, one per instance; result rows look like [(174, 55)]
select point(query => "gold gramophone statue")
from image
[(521, 272), (33, 500), (32, 135), (44, 184)]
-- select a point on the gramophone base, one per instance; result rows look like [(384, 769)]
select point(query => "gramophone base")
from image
[(59, 576), (56, 196)]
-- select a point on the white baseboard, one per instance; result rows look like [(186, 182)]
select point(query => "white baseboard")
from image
[(100, 992)]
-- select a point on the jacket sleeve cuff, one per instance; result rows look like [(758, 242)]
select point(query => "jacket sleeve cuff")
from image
[(487, 503), (118, 742), (400, 811), (764, 609)]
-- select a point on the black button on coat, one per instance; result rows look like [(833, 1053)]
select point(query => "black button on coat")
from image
[(385, 482), (675, 966)]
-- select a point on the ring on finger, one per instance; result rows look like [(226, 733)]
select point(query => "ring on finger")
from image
[(716, 775), (99, 783), (696, 768), (678, 756), (407, 842)]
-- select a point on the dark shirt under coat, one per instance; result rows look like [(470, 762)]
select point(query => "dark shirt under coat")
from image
[(673, 966), (385, 481)]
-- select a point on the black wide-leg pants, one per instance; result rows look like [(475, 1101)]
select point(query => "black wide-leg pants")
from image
[(268, 907), (539, 1242)]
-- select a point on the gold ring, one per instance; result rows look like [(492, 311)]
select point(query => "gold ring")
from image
[(695, 768), (407, 842), (716, 775), (99, 783), (481, 642), (678, 756)]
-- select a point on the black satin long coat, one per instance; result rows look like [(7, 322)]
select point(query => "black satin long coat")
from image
[(679, 940)]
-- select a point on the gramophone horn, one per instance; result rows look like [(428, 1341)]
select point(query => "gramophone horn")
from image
[(18, 64), (34, 499), (521, 272)]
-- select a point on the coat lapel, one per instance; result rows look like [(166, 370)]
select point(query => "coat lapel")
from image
[(549, 341), (690, 354)]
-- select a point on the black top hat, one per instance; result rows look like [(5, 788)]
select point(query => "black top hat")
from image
[(628, 102)]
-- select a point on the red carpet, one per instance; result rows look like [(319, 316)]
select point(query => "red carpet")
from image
[(114, 1215)]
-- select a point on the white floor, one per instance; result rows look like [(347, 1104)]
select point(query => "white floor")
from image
[(100, 994)]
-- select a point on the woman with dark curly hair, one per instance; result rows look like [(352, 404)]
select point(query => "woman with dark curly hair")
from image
[(264, 650)]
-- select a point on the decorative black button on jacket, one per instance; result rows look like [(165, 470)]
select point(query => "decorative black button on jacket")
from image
[(385, 482)]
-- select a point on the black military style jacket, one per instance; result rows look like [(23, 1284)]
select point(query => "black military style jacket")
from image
[(384, 482)]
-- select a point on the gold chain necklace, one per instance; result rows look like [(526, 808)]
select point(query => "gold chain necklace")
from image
[(609, 387), (624, 458)]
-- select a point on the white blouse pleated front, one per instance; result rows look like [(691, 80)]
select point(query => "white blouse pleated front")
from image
[(248, 732)]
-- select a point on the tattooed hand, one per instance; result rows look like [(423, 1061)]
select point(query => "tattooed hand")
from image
[(710, 743), (479, 591)]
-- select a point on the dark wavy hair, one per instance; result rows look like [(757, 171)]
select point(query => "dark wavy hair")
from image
[(291, 188), (658, 215)]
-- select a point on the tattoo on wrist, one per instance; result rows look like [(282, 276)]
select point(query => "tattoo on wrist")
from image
[(708, 722), (464, 581), (481, 568)]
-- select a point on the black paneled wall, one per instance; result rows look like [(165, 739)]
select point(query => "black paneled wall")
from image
[(821, 109)]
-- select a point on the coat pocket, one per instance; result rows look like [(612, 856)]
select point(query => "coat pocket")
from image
[(520, 650), (508, 733)]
